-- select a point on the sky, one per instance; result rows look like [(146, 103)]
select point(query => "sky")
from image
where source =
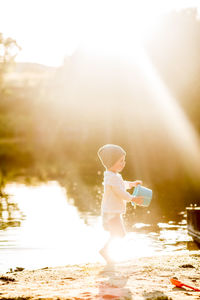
[(48, 30)]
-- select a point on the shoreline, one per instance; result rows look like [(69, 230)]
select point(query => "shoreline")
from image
[(140, 278)]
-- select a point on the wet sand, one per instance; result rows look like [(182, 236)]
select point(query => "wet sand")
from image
[(142, 278)]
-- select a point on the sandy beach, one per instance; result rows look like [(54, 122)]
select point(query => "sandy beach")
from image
[(141, 278)]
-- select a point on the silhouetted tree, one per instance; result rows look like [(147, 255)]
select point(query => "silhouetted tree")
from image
[(8, 51)]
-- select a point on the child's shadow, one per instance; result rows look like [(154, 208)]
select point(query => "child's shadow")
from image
[(112, 285)]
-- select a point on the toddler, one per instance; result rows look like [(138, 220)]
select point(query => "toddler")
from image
[(115, 195)]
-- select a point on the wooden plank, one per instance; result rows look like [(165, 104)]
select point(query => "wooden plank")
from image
[(193, 222)]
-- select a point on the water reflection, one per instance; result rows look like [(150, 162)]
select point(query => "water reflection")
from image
[(113, 286), (53, 232), (10, 215)]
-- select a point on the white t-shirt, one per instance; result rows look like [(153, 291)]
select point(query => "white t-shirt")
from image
[(115, 195)]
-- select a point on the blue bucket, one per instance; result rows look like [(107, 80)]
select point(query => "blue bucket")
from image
[(142, 191)]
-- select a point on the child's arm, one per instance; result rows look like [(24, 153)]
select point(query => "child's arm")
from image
[(127, 196), (121, 193), (130, 184)]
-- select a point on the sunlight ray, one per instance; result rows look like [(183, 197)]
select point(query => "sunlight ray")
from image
[(168, 113)]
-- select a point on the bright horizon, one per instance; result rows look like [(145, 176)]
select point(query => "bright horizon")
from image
[(47, 31)]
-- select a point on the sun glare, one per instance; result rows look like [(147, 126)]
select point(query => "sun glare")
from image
[(130, 247), (62, 25), (116, 28)]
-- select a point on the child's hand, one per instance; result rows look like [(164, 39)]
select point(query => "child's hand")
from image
[(138, 200), (135, 183)]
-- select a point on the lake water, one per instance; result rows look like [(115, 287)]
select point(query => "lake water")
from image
[(48, 230)]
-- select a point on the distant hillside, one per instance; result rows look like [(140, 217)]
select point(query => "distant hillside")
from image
[(26, 67), (25, 73)]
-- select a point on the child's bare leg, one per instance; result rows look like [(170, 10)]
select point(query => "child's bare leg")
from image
[(104, 251), (116, 229)]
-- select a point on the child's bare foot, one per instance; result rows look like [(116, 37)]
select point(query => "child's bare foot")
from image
[(105, 255)]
